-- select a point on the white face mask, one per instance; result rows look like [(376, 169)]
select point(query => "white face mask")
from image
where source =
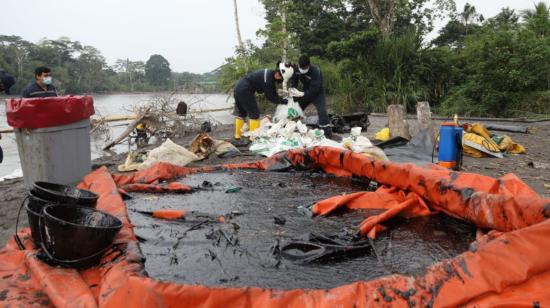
[(47, 80), (304, 71)]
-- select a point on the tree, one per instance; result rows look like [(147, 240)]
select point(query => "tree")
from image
[(131, 71), (469, 15), (507, 19), (16, 51), (452, 35), (383, 13), (157, 71), (90, 66), (237, 26), (387, 14), (278, 17), (316, 23), (538, 19)]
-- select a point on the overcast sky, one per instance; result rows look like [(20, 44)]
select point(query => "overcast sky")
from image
[(194, 35)]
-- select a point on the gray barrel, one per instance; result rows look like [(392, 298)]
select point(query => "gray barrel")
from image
[(59, 154)]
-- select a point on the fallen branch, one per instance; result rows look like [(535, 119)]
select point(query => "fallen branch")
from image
[(128, 129)]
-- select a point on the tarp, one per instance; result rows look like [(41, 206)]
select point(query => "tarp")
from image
[(510, 268), (419, 150), (48, 111)]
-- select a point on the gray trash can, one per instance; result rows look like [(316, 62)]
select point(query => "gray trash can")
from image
[(59, 154)]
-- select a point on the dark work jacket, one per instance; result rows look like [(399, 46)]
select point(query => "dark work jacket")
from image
[(33, 90), (312, 83), (263, 82)]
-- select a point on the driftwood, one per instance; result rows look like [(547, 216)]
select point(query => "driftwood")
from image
[(397, 122), (508, 128), (128, 130)]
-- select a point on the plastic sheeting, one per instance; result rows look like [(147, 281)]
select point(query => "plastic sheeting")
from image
[(419, 150), (49, 111), (509, 269)]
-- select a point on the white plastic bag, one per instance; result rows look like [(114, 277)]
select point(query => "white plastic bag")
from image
[(302, 128), (290, 111), (262, 146)]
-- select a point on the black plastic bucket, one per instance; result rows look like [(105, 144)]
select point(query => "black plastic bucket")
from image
[(63, 194), (34, 207), (76, 236)]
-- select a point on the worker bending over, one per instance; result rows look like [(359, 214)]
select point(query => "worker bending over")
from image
[(262, 82)]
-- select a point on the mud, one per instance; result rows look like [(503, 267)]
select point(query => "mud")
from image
[(271, 209)]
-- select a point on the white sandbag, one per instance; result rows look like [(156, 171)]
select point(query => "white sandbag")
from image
[(169, 152)]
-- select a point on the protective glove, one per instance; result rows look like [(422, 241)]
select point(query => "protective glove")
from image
[(295, 92), (284, 101), (282, 92)]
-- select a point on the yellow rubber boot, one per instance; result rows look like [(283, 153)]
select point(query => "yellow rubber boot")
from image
[(253, 125), (239, 123)]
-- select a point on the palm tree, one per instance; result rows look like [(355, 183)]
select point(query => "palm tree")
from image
[(241, 48), (237, 25), (469, 15), (538, 19)]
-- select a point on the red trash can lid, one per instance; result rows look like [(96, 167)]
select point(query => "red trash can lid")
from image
[(48, 111)]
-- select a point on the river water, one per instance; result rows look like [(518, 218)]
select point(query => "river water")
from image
[(118, 104)]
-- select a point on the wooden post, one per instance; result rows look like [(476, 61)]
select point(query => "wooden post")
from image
[(424, 116), (398, 122)]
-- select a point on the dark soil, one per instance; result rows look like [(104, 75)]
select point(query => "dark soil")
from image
[(12, 192), (270, 210)]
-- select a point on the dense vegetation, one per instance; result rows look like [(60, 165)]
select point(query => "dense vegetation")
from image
[(82, 69), (377, 52)]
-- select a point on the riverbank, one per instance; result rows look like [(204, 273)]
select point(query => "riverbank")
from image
[(12, 192)]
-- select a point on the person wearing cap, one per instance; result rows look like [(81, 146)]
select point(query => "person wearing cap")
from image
[(263, 82), (6, 82), (42, 86), (311, 78)]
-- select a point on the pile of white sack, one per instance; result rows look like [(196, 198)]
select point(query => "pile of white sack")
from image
[(272, 138)]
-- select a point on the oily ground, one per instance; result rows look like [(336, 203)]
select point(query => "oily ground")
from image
[(12, 192)]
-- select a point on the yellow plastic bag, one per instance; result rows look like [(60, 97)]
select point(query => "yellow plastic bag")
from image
[(483, 132), (383, 135), (508, 145), (470, 151)]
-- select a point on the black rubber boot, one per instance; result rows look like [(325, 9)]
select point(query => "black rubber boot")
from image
[(241, 143)]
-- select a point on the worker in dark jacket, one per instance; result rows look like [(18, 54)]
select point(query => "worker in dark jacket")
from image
[(262, 82), (42, 86), (311, 78), (6, 82)]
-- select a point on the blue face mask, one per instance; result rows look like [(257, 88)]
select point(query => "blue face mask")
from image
[(47, 80)]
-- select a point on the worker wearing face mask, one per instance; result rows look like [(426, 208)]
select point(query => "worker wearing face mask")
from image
[(42, 85), (263, 82), (311, 78)]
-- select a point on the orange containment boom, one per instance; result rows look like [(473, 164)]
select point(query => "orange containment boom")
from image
[(509, 267)]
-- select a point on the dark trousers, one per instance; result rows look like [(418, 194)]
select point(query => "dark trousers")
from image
[(320, 103), (245, 101)]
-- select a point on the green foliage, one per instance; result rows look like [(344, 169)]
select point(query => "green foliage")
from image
[(78, 68), (157, 71), (501, 68), (538, 19), (498, 66)]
